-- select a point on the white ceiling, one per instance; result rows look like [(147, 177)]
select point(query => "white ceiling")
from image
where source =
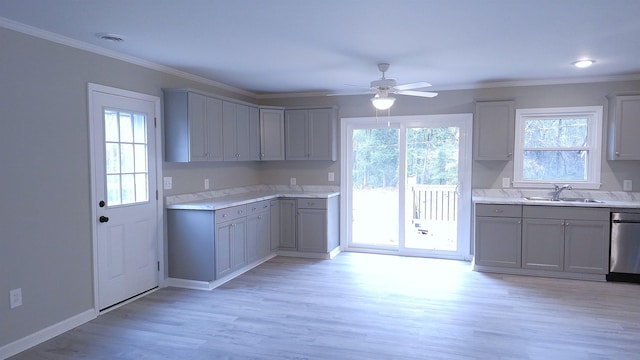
[(267, 47)]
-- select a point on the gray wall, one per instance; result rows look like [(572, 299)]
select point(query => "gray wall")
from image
[(45, 224), (45, 227), (486, 174)]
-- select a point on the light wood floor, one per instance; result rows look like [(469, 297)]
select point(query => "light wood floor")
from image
[(362, 306)]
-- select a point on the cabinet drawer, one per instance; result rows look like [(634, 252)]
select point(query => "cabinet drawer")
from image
[(258, 206), (500, 210), (231, 213), (565, 212), (312, 203)]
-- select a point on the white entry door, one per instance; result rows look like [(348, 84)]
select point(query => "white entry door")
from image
[(125, 204)]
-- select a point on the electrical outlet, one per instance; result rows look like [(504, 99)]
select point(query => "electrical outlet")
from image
[(506, 182), (293, 181), (627, 185), (332, 176), (206, 184), (15, 297), (168, 182)]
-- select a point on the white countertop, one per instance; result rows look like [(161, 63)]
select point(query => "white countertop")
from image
[(622, 200), (220, 199)]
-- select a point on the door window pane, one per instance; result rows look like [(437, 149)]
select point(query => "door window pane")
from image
[(126, 158), (375, 193)]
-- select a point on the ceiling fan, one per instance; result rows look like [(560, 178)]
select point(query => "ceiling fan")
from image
[(383, 87)]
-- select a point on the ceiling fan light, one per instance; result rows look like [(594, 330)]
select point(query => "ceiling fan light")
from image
[(583, 63), (382, 102)]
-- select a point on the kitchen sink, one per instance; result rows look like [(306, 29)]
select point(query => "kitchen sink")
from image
[(543, 198)]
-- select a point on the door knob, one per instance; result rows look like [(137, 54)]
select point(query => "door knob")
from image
[(103, 219)]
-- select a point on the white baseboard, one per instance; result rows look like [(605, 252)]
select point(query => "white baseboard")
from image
[(210, 285), (46, 334)]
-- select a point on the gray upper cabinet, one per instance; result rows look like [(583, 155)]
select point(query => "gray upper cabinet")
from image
[(271, 134), (255, 153), (498, 235), (193, 127), (624, 127), (236, 130), (493, 130), (310, 134)]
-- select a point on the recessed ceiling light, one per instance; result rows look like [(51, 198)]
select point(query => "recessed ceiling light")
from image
[(110, 37), (583, 63)]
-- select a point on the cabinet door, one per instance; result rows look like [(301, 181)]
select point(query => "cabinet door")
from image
[(296, 134), (321, 136), (498, 241), (213, 129), (258, 236), (275, 224), (586, 246), (223, 242), (239, 244), (243, 141), (229, 130), (230, 247), (287, 239), (494, 130), (254, 134), (264, 234), (624, 128), (312, 230), (197, 128), (272, 134), (543, 244)]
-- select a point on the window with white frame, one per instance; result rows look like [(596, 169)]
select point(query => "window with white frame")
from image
[(558, 146)]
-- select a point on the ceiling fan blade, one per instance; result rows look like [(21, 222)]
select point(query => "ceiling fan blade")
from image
[(346, 93), (417, 93), (415, 85)]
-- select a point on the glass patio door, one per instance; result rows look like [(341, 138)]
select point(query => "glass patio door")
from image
[(405, 190), (432, 179)]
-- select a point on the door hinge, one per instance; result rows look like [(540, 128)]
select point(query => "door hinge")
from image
[(155, 122), (156, 194), (158, 266)]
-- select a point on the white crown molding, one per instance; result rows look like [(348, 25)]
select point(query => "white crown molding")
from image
[(63, 40)]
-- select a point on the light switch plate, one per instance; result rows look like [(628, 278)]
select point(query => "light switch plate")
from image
[(332, 176), (506, 182), (627, 185), (15, 297), (206, 184), (293, 181), (168, 182)]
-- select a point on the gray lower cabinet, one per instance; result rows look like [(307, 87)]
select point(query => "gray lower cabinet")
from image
[(540, 239), (287, 210), (230, 240), (258, 230), (498, 230), (274, 215), (572, 239), (317, 229), (190, 250)]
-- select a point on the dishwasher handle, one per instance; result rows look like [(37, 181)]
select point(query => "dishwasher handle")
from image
[(621, 218)]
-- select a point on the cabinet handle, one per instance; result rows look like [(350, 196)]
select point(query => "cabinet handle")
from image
[(310, 203), (498, 211), (224, 215), (266, 206), (617, 153), (519, 221), (566, 224), (253, 209), (260, 217), (509, 154)]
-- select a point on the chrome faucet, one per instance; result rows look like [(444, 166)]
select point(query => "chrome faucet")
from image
[(557, 190)]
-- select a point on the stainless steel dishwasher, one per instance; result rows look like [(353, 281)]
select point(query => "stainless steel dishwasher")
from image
[(624, 262)]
